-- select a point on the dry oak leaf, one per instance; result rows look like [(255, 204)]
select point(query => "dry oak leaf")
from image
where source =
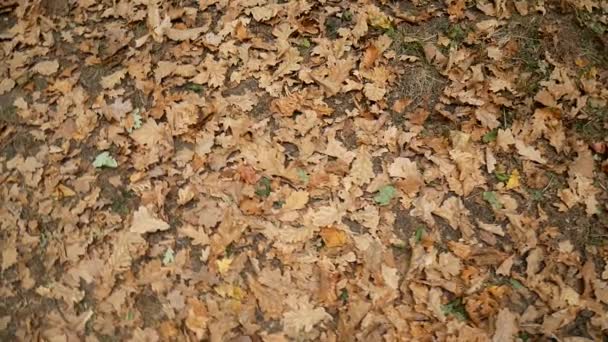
[(333, 237), (338, 73), (407, 169), (506, 326), (269, 300), (6, 85), (187, 34), (150, 133), (362, 169), (391, 276), (528, 152), (325, 216), (296, 200), (46, 68), (145, 222), (303, 320), (369, 56), (492, 228), (197, 318), (110, 81), (374, 92), (9, 256)]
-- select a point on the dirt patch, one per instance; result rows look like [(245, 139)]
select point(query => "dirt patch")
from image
[(150, 308), (55, 8)]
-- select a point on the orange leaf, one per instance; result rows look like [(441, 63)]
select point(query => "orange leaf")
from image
[(369, 56), (333, 237)]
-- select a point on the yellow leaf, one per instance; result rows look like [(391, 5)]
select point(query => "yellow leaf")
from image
[(63, 191), (513, 181), (333, 237), (223, 265), (230, 291), (381, 21)]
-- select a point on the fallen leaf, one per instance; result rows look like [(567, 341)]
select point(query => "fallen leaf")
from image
[(506, 326), (144, 222), (369, 56), (296, 200), (303, 320), (513, 181), (110, 81), (46, 68), (333, 237), (197, 317), (385, 195), (105, 160)]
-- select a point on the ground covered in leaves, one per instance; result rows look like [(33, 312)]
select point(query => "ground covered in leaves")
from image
[(267, 170)]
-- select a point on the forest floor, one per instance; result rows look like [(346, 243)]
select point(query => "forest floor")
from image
[(270, 170)]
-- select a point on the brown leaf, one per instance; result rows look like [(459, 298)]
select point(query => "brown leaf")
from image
[(197, 317), (110, 81), (507, 326), (303, 320), (269, 300), (250, 206), (400, 105)]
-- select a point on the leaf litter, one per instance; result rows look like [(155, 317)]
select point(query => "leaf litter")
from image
[(300, 170)]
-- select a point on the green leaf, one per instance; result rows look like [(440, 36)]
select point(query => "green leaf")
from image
[(169, 256), (347, 15), (263, 187), (305, 43), (490, 136), (303, 176), (104, 159), (503, 177), (385, 194), (490, 197), (537, 195), (524, 336), (197, 88), (344, 295), (137, 121), (418, 234), (456, 309), (516, 284)]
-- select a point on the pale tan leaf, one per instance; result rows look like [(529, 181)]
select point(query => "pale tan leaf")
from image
[(390, 276), (46, 68), (373, 92), (145, 222), (182, 35), (492, 228), (507, 326), (362, 168), (326, 215), (529, 152), (296, 200), (6, 85), (303, 320), (408, 170), (9, 256)]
